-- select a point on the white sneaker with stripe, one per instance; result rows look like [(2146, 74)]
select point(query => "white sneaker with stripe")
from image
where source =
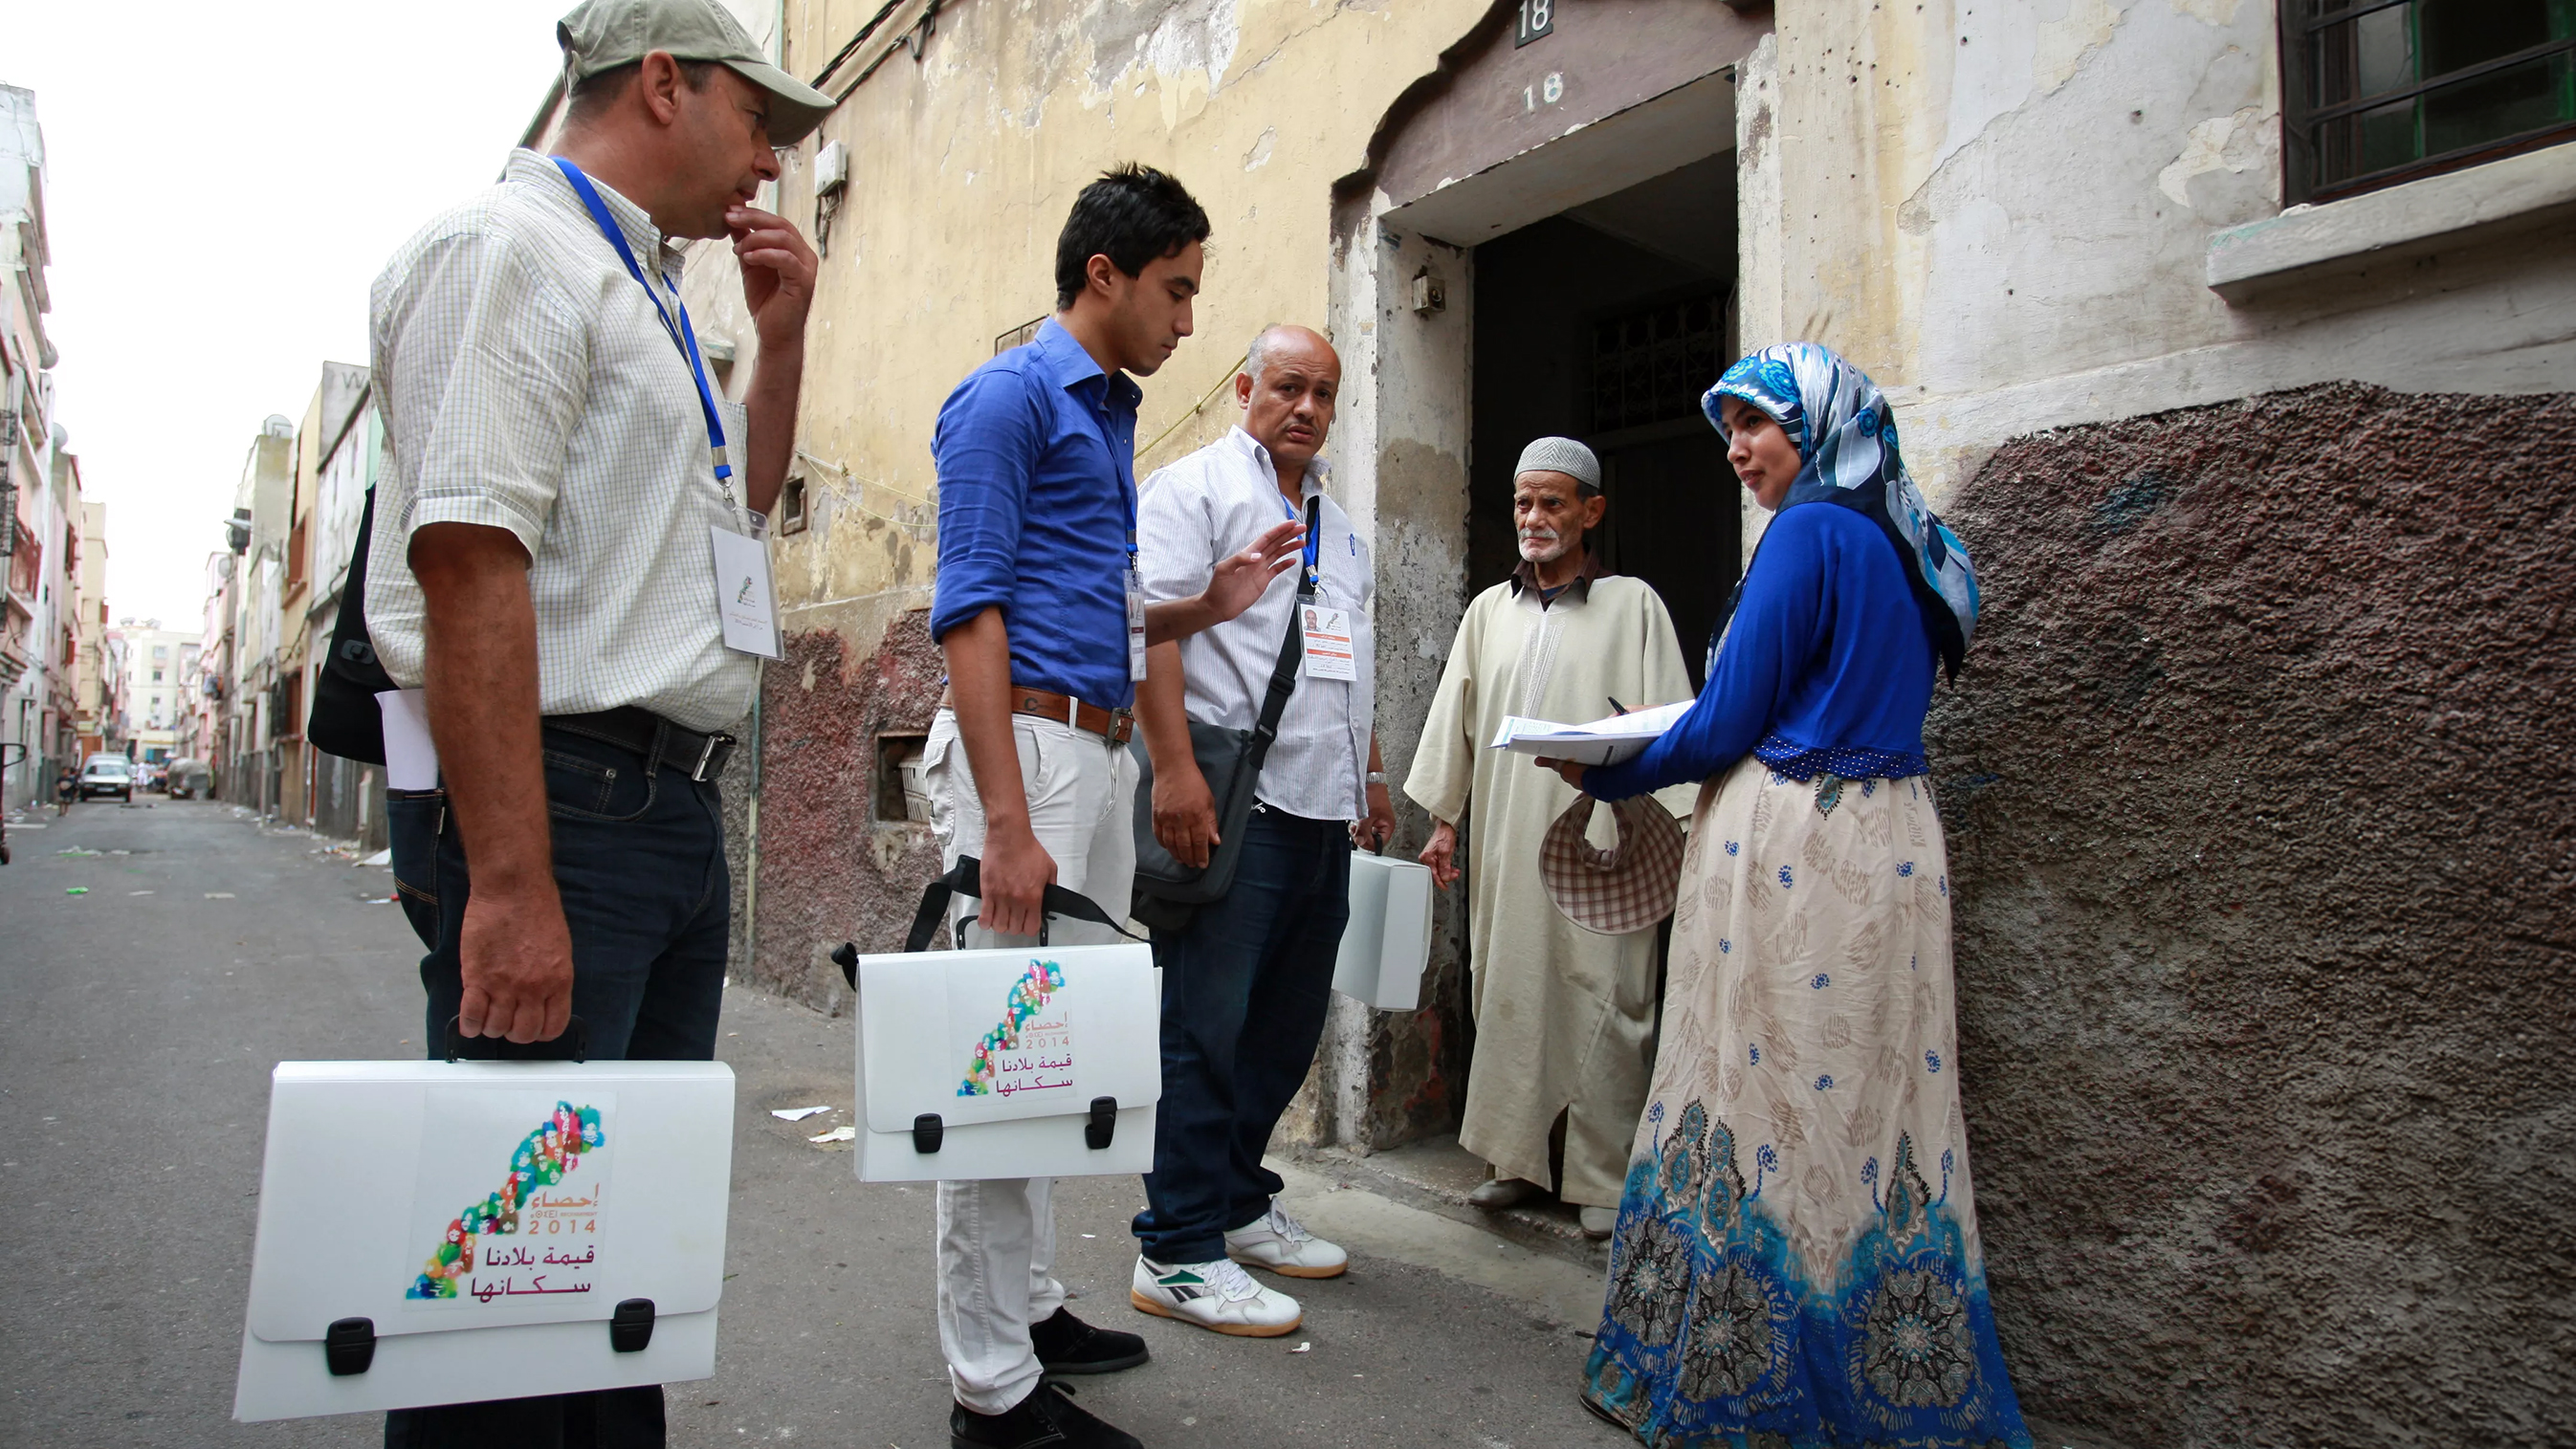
[(1218, 1296), (1282, 1245)]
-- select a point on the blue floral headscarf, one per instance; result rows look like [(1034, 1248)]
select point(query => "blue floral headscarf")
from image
[(1846, 439)]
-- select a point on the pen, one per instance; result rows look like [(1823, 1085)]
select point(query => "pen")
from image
[(1615, 706)]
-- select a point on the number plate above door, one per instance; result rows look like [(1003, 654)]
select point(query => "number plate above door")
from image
[(1538, 18)]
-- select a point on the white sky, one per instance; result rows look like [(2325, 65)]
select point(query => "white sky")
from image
[(222, 183)]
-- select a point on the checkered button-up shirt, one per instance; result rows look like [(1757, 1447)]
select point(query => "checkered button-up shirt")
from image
[(527, 384)]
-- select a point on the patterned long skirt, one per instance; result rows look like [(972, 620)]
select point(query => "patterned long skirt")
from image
[(1796, 1262)]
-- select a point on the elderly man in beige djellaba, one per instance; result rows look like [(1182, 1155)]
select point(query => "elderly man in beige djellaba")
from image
[(1564, 1016)]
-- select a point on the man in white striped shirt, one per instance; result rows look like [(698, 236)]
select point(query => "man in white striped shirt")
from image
[(1246, 982), (543, 567)]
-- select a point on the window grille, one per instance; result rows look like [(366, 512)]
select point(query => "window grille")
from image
[(2381, 91), (1651, 365)]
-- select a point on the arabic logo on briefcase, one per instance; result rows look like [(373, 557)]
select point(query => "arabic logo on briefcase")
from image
[(545, 1205), (1032, 1049)]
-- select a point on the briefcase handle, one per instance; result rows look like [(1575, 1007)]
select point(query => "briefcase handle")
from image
[(573, 1045), (966, 878)]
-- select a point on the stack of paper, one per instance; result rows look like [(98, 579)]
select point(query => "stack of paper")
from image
[(1602, 742)]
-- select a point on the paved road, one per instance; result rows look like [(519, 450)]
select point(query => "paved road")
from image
[(138, 1023)]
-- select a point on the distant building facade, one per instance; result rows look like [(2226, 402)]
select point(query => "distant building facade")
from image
[(42, 517)]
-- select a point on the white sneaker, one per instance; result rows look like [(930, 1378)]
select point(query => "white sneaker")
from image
[(1282, 1245), (1216, 1295)]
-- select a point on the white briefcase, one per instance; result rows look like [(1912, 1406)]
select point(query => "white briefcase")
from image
[(1043, 1061), (1388, 941), (450, 1232)]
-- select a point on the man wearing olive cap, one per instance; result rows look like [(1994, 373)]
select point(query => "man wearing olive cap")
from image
[(1563, 1016), (542, 570)]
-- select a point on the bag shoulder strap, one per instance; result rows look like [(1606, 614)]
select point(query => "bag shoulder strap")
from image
[(966, 878)]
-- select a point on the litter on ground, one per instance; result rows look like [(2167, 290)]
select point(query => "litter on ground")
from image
[(837, 1134), (797, 1114)]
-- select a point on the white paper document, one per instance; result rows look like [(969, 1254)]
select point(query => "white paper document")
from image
[(411, 759), (1602, 742)]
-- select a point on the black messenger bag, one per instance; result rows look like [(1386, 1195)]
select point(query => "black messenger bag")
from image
[(346, 720), (1166, 891)]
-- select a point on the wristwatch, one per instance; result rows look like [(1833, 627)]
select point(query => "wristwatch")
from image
[(1376, 777)]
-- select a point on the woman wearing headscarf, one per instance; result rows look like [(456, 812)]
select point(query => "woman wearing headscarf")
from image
[(1797, 1253)]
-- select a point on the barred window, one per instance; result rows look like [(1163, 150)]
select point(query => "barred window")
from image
[(1651, 365), (2382, 91)]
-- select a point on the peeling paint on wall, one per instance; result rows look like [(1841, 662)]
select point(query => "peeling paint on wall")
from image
[(2245, 141), (2063, 45), (1167, 39)]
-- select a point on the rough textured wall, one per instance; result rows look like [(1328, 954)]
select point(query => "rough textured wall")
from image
[(2262, 794), (832, 871)]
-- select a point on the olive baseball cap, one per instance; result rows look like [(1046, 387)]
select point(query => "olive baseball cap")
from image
[(604, 34)]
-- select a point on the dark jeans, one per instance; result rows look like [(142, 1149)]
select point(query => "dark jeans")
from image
[(1244, 992), (639, 862)]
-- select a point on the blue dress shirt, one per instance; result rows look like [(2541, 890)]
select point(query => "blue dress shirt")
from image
[(1037, 503), (1826, 669)]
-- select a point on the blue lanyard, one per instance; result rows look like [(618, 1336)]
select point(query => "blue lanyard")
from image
[(1314, 538), (683, 336)]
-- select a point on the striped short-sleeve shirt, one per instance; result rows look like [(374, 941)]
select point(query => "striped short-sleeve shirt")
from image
[(527, 384)]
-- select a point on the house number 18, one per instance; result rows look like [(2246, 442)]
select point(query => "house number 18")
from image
[(1538, 17), (1546, 93)]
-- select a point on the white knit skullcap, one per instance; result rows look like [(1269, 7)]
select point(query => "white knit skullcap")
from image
[(1561, 455)]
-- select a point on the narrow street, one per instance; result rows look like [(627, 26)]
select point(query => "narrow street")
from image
[(143, 1014)]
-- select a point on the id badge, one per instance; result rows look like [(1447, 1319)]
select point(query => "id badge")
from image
[(1135, 626), (746, 601), (1328, 643)]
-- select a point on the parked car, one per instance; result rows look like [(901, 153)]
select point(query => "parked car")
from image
[(107, 775), (191, 780)]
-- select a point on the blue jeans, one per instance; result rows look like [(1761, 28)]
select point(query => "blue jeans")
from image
[(1245, 987), (639, 861)]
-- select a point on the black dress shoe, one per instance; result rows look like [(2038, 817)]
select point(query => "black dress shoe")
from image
[(1046, 1418), (1067, 1345)]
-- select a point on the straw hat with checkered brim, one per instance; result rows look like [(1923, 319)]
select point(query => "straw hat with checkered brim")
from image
[(1626, 888)]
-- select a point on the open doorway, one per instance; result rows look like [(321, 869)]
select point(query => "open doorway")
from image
[(1605, 322)]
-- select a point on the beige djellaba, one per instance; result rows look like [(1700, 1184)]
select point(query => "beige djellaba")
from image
[(1563, 1016)]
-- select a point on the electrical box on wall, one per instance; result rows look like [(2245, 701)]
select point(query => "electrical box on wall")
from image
[(831, 168)]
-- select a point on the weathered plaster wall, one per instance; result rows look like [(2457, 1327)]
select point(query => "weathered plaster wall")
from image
[(833, 871), (2262, 810), (2001, 208)]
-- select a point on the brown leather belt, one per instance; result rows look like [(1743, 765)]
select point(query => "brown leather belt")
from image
[(1113, 725)]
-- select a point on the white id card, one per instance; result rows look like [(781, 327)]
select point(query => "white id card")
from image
[(1328, 643), (1135, 625), (746, 605)]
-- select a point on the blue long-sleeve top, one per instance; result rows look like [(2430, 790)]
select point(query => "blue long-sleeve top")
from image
[(1826, 669), (1037, 513)]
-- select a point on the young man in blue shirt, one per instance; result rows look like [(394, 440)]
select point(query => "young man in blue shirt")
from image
[(1026, 763)]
